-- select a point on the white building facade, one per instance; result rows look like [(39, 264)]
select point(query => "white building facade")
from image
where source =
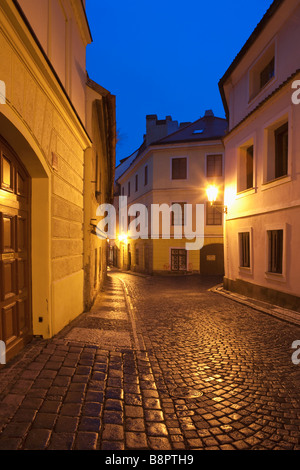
[(262, 161)]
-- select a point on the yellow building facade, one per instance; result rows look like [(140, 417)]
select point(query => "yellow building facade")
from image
[(43, 148), (175, 170), (98, 184)]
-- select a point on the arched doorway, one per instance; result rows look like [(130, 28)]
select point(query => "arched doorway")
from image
[(212, 259), (15, 258)]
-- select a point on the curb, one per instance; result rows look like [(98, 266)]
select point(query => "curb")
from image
[(284, 314), (138, 339)]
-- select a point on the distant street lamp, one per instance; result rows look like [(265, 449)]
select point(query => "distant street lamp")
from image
[(212, 194), (123, 238)]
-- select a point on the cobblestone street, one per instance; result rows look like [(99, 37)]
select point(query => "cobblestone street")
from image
[(159, 363)]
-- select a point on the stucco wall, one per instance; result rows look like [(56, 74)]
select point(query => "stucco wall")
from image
[(40, 108)]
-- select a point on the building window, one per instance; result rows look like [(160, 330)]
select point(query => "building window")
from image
[(214, 165), (178, 260), (244, 242), (146, 175), (128, 189), (179, 168), (281, 136), (275, 251), (213, 215), (245, 168), (177, 214), (262, 72), (137, 256), (267, 73), (136, 183), (123, 191), (277, 151)]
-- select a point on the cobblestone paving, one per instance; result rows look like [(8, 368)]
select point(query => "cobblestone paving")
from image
[(185, 369), (238, 358)]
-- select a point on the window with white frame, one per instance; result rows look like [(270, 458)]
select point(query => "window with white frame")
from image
[(214, 215), (262, 72), (245, 168), (177, 214), (244, 249), (214, 165), (179, 168), (275, 251), (277, 150)]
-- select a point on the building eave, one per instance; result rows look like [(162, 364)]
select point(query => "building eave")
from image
[(262, 103), (251, 40)]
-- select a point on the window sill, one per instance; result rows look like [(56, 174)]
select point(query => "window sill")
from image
[(275, 277), (276, 182), (245, 192), (245, 270)]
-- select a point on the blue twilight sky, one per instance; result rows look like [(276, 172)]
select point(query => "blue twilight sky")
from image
[(165, 57)]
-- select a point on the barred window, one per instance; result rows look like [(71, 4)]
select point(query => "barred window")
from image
[(244, 240), (275, 251)]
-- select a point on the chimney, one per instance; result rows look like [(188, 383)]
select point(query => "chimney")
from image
[(209, 113), (158, 129)]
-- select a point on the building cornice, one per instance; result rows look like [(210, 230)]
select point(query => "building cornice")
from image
[(82, 21), (252, 39)]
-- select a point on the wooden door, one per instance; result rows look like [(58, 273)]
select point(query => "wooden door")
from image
[(212, 259), (15, 299)]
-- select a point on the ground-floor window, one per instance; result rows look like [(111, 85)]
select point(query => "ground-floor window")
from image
[(137, 256), (244, 242), (178, 259), (275, 251)]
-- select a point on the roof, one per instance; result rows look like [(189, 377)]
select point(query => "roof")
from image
[(125, 164), (208, 127), (255, 34), (96, 87)]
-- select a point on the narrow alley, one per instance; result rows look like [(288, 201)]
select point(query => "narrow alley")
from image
[(159, 363)]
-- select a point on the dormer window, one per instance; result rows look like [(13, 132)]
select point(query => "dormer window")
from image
[(262, 72), (267, 73), (198, 131)]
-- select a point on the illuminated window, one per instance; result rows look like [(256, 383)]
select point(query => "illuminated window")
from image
[(213, 215)]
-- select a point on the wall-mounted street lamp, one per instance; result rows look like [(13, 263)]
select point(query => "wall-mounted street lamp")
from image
[(212, 194), (123, 238)]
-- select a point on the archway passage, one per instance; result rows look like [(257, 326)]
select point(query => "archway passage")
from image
[(212, 259), (15, 285)]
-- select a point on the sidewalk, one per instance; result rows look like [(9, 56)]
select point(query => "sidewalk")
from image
[(284, 314), (71, 392)]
